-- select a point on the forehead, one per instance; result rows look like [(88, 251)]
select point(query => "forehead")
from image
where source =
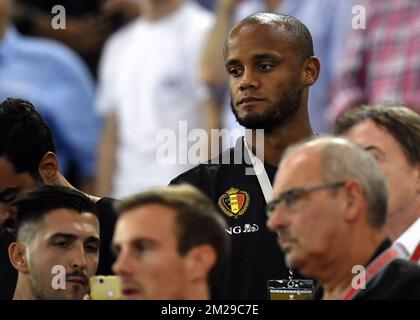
[(10, 178), (69, 221), (251, 39), (152, 221), (368, 133), (8, 173)]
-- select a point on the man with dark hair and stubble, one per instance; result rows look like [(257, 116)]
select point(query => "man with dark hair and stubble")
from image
[(57, 230), (271, 65), (169, 244), (27, 161), (391, 134)]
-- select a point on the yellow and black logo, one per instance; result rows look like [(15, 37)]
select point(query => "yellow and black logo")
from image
[(234, 202)]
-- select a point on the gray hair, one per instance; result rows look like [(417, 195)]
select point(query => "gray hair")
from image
[(343, 160)]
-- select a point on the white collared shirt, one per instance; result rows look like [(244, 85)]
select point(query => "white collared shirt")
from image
[(409, 240)]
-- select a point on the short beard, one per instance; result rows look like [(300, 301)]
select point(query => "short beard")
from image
[(38, 282), (277, 115)]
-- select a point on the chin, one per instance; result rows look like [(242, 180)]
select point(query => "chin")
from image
[(294, 262)]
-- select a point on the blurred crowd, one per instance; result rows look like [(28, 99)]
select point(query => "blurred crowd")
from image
[(124, 85)]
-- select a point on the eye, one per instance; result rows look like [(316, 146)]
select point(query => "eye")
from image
[(291, 197), (265, 67), (93, 248), (378, 156), (235, 71), (62, 244), (140, 247), (9, 198), (271, 206)]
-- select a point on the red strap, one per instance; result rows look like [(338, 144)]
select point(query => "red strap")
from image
[(374, 268), (415, 257)]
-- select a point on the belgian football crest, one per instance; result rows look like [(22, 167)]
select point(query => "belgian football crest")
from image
[(234, 202)]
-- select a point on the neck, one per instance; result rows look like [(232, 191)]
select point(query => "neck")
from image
[(277, 141), (155, 9), (398, 221), (23, 289), (198, 292), (60, 180), (337, 277)]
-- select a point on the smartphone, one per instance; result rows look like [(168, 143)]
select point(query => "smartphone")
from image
[(295, 289), (105, 288)]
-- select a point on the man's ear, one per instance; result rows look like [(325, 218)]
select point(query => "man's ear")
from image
[(418, 179), (354, 200), (48, 167), (311, 69), (200, 261), (17, 256)]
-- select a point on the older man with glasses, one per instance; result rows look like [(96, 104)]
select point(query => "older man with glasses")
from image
[(329, 211)]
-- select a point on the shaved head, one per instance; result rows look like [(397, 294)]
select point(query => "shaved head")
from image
[(293, 29)]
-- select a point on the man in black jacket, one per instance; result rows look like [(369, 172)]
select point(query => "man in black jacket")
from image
[(270, 62)]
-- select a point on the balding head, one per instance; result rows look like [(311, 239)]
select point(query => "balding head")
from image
[(342, 160)]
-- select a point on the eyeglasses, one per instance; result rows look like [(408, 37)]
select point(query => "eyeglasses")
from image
[(290, 197)]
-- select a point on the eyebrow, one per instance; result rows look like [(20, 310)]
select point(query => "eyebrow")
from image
[(8, 191), (72, 237), (232, 62), (266, 56), (257, 57)]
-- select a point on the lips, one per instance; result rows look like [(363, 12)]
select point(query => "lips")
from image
[(285, 241), (129, 293), (285, 245), (77, 280), (249, 100)]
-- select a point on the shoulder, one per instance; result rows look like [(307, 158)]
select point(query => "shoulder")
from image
[(198, 19), (105, 209), (123, 36), (105, 204), (205, 173), (400, 280), (51, 51)]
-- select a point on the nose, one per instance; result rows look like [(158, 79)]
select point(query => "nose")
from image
[(79, 258), (277, 219), (121, 265), (249, 80)]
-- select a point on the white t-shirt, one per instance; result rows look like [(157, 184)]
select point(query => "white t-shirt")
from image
[(149, 77)]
